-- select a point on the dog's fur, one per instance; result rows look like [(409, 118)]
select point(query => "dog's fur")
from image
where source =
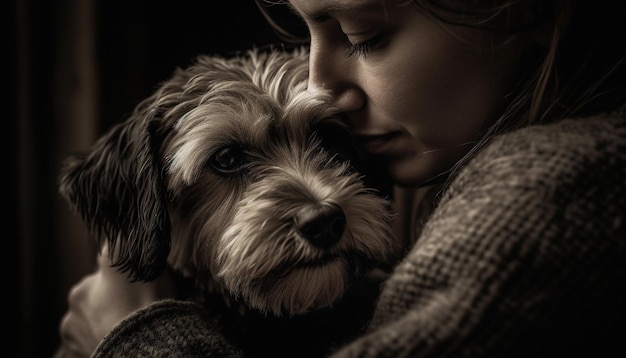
[(234, 174)]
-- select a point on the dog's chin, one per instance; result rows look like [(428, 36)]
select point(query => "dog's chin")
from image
[(299, 289)]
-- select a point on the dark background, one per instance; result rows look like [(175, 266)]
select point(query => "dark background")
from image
[(75, 68)]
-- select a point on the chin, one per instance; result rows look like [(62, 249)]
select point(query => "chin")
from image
[(300, 290)]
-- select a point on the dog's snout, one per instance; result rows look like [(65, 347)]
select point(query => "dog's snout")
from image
[(321, 224)]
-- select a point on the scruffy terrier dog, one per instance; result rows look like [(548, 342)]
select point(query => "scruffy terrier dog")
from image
[(235, 175)]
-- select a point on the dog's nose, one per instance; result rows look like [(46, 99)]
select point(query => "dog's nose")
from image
[(321, 224)]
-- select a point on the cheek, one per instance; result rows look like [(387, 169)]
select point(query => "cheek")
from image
[(443, 90)]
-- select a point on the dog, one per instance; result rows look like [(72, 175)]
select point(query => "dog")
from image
[(234, 174)]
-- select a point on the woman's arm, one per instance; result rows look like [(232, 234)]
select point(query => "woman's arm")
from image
[(525, 256)]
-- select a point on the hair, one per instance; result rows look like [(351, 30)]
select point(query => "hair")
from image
[(581, 70)]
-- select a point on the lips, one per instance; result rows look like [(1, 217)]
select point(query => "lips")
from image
[(376, 144)]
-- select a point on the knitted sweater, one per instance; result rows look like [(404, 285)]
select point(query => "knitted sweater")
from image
[(524, 256)]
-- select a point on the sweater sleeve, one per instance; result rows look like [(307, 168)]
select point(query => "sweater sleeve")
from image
[(525, 256), (168, 328)]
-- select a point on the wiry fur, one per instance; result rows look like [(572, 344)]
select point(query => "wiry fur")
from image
[(214, 175)]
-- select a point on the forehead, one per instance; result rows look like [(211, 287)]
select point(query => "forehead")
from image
[(321, 10)]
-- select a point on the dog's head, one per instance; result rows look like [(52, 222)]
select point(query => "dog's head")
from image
[(233, 172)]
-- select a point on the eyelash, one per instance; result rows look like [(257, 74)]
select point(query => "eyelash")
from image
[(364, 48)]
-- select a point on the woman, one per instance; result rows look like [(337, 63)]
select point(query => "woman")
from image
[(511, 113)]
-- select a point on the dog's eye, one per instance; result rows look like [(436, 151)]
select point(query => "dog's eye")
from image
[(227, 160)]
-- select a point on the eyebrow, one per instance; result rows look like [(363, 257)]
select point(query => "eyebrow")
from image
[(332, 10)]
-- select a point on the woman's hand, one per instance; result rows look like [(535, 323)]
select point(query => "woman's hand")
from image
[(101, 300)]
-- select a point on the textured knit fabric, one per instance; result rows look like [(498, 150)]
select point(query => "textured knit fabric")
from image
[(166, 329), (524, 256)]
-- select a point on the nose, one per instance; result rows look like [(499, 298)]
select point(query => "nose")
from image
[(321, 224), (332, 70)]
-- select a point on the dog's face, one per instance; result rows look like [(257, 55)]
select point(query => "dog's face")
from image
[(232, 171)]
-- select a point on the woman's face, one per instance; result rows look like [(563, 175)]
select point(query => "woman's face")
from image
[(417, 92)]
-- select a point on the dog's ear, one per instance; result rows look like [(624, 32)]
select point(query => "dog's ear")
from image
[(119, 190)]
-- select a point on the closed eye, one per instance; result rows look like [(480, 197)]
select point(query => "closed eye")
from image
[(364, 48)]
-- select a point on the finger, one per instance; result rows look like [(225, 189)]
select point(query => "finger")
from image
[(76, 333), (75, 337), (79, 291)]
